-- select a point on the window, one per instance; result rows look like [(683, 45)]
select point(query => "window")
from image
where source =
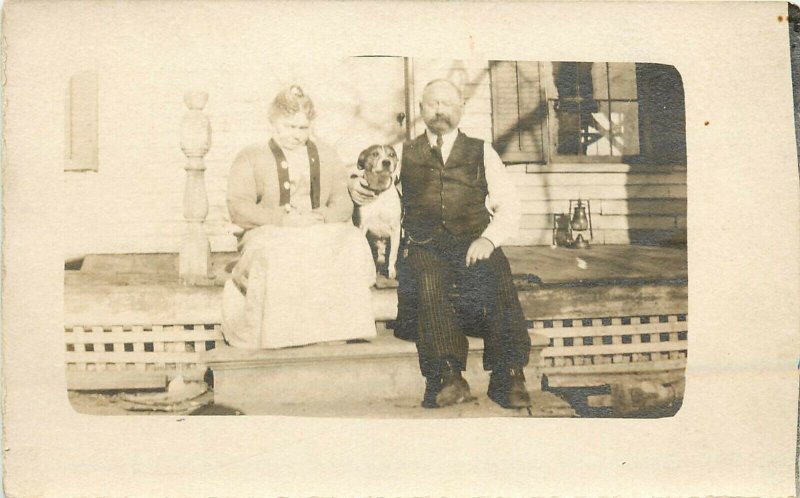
[(593, 110), (80, 141), (587, 112)]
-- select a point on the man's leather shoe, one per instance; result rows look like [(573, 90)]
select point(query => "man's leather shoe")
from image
[(446, 389), (507, 388)]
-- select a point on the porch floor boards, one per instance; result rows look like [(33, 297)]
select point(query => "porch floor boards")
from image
[(553, 283), (551, 266)]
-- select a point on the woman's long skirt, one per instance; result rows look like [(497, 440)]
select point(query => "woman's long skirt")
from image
[(296, 286)]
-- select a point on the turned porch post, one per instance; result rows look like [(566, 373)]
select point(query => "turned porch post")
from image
[(195, 253)]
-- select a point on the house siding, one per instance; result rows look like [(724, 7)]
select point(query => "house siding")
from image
[(133, 203), (629, 204)]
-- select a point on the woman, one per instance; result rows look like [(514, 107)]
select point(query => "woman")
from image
[(304, 270)]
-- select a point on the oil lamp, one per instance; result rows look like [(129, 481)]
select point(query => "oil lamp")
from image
[(581, 221)]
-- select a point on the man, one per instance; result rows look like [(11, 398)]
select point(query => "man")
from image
[(459, 207)]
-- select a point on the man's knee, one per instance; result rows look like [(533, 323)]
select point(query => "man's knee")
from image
[(489, 279), (498, 261), (494, 268)]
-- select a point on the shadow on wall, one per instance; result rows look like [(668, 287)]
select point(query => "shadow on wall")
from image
[(662, 138), (642, 125)]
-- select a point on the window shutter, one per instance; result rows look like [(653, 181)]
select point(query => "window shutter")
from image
[(81, 122), (518, 111), (662, 115)]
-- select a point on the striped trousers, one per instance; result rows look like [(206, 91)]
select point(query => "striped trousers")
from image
[(444, 301)]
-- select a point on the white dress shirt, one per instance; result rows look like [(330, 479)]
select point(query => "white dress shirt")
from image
[(502, 201)]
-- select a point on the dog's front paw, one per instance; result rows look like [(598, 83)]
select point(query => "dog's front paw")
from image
[(392, 272)]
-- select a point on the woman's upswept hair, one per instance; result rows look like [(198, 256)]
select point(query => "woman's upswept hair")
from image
[(289, 102)]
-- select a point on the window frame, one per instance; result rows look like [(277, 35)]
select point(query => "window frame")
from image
[(549, 156), (554, 157)]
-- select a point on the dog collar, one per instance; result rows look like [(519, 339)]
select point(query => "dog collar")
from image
[(378, 191)]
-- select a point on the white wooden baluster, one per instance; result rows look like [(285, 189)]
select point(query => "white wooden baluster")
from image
[(195, 253)]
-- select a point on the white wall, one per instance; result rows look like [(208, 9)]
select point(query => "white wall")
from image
[(133, 203)]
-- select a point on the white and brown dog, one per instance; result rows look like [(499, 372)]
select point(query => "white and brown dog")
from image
[(381, 218)]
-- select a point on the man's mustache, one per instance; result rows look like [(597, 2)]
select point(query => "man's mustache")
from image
[(442, 117)]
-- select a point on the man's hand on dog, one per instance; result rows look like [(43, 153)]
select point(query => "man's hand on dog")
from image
[(357, 186), (480, 248)]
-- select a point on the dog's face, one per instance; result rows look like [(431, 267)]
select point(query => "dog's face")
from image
[(379, 163)]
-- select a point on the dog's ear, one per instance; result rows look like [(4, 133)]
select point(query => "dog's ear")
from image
[(362, 158)]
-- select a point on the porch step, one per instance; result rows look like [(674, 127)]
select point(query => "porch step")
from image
[(376, 378), (129, 323)]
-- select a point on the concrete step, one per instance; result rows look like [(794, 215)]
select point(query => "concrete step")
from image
[(376, 378)]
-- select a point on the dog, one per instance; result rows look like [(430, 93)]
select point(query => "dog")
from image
[(381, 218)]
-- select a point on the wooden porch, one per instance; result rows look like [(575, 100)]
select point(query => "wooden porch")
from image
[(611, 319), (605, 322)]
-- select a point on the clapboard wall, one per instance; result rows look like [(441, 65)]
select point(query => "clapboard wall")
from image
[(132, 203), (630, 203)]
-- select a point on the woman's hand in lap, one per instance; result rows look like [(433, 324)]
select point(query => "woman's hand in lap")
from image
[(298, 219)]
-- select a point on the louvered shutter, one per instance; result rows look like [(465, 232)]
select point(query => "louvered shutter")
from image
[(519, 111), (81, 122)]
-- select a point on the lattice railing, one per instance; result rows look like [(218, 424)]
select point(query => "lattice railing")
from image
[(596, 346), (633, 341), (139, 347)]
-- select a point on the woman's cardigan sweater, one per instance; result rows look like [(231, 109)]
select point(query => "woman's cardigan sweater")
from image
[(254, 191)]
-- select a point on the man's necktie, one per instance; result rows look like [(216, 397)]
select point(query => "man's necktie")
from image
[(438, 147)]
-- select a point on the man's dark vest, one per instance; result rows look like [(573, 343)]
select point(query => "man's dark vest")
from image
[(448, 196)]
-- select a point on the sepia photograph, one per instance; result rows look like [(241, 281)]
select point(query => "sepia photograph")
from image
[(379, 236), (400, 248)]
